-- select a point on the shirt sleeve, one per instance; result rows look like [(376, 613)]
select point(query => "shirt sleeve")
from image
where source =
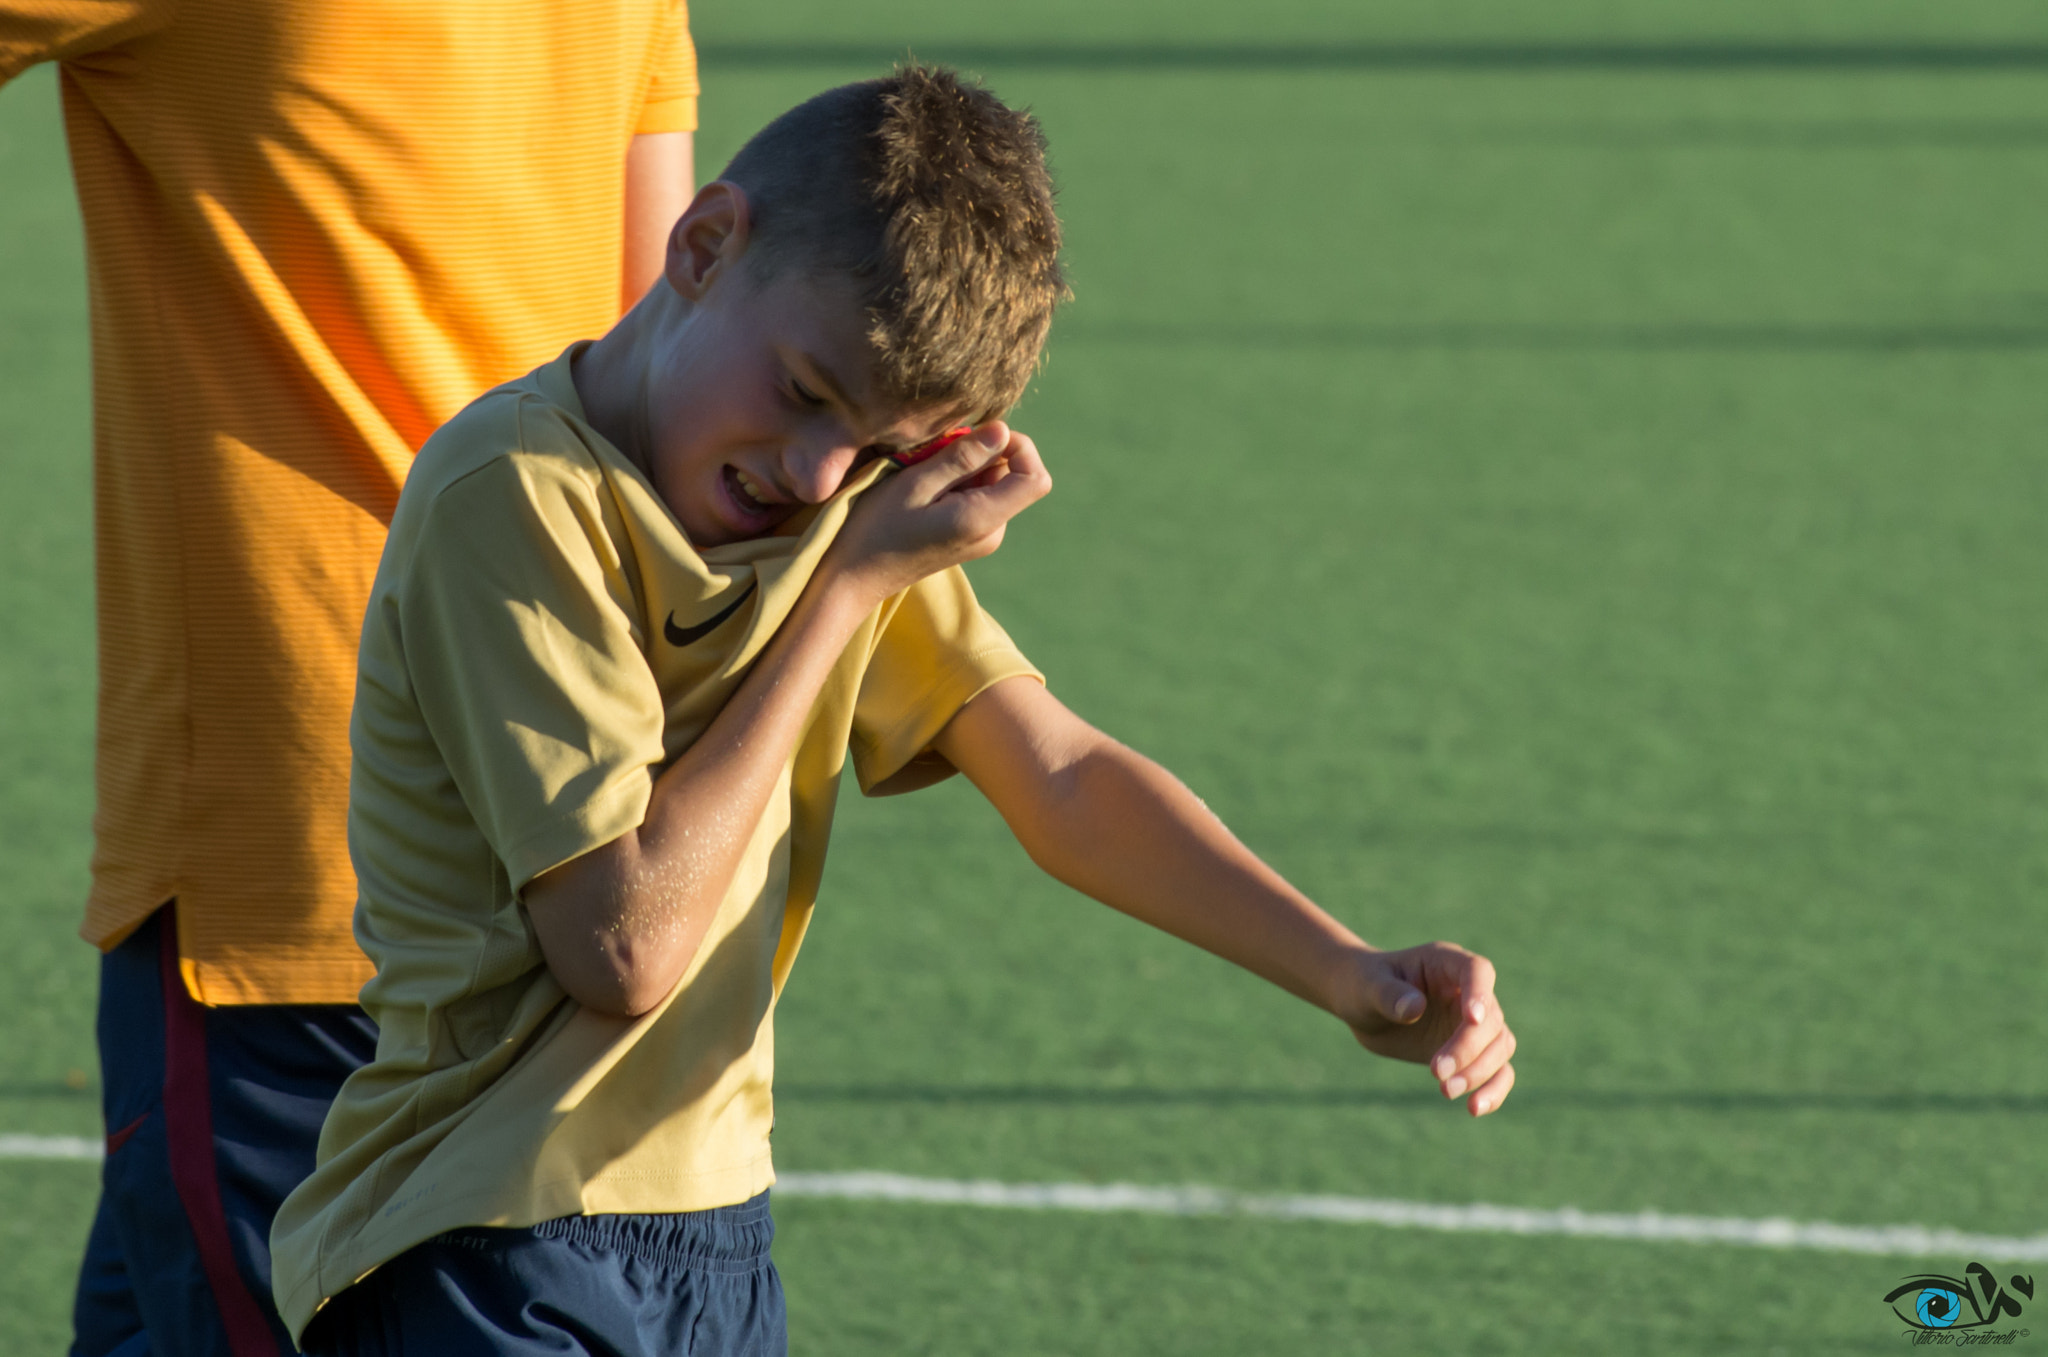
[(671, 103), (60, 30), (937, 650), (519, 645)]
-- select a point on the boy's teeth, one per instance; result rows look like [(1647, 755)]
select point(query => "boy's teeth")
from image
[(753, 491)]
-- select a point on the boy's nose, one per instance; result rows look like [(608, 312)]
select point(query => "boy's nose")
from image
[(816, 468)]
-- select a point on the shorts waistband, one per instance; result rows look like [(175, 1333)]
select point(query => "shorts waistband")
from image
[(732, 1238)]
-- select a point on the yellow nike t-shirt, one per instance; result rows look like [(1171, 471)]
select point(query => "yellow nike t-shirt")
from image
[(541, 640)]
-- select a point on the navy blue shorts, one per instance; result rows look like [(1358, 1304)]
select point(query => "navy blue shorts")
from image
[(694, 1284), (212, 1117)]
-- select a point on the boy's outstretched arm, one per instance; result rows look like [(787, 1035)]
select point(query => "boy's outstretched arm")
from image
[(1114, 825)]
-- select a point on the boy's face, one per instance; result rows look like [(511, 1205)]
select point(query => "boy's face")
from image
[(761, 399)]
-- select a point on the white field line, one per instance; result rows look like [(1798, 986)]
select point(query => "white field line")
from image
[(1643, 1226), (51, 1147)]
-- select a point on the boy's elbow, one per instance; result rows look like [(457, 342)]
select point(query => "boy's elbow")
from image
[(615, 979), (605, 942), (1058, 825), (626, 1001), (645, 978), (1087, 810), (584, 917)]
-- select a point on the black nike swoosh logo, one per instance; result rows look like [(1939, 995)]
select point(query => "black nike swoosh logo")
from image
[(682, 636)]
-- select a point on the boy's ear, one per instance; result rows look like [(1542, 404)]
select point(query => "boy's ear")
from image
[(708, 239)]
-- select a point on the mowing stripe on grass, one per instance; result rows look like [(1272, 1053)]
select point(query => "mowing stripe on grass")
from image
[(1646, 1226)]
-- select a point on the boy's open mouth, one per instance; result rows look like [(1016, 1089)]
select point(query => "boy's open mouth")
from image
[(748, 497)]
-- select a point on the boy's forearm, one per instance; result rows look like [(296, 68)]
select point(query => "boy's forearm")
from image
[(1130, 834), (620, 924), (1114, 825), (707, 803)]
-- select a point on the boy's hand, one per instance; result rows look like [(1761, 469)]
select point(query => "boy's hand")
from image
[(941, 512), (1435, 1005)]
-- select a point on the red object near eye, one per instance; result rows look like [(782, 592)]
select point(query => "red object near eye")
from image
[(912, 456)]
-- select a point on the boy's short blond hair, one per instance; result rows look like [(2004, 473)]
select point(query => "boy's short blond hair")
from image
[(933, 196)]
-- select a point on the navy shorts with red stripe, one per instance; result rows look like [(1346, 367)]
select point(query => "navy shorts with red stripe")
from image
[(212, 1117)]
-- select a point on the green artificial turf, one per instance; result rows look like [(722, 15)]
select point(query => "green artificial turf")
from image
[(46, 634), (1589, 509), (910, 1280)]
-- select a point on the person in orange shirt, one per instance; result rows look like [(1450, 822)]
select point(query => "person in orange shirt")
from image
[(314, 232)]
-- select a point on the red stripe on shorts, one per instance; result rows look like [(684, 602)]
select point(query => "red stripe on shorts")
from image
[(188, 1126)]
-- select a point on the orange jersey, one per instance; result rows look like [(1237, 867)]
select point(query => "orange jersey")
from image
[(315, 230)]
